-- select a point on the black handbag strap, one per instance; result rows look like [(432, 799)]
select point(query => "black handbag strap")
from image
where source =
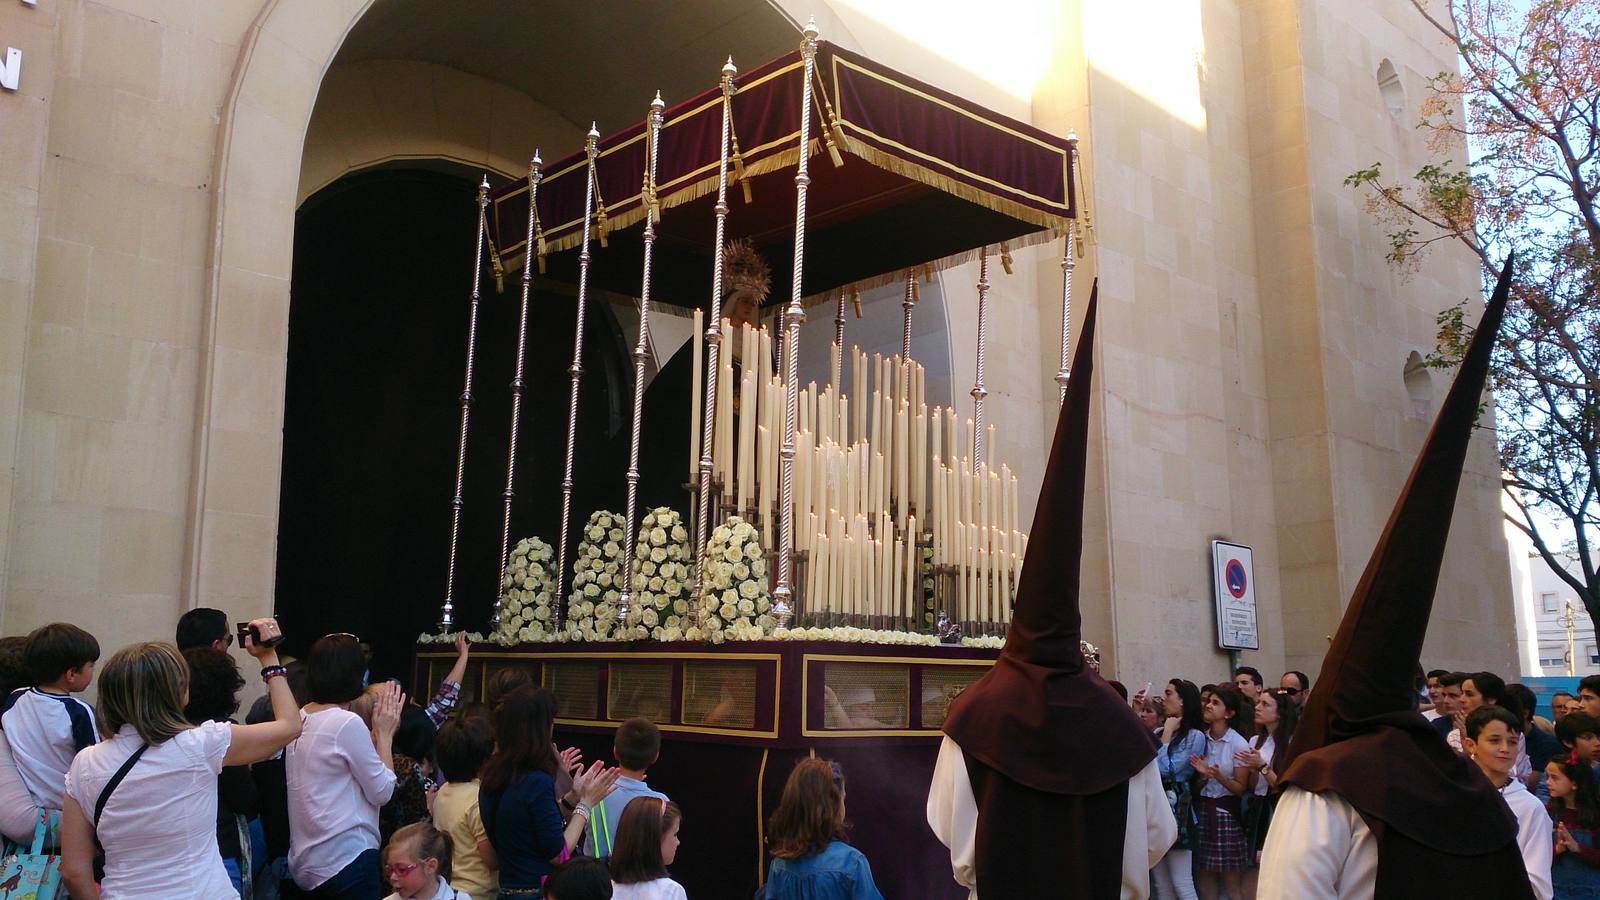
[(100, 804)]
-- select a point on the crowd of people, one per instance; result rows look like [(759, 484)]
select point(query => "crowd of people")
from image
[(1219, 765), (336, 788)]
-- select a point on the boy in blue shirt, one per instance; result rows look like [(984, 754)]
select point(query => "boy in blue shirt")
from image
[(45, 725), (636, 748)]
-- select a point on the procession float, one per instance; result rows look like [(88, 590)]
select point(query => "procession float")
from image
[(799, 566)]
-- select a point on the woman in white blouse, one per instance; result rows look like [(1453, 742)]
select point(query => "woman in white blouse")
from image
[(1275, 719), (159, 824), (339, 774)]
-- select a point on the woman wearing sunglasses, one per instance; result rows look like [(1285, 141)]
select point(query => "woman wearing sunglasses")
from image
[(810, 859), (340, 773)]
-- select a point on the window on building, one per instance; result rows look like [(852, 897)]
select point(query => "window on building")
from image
[(1593, 655), (1551, 604), (1557, 661)]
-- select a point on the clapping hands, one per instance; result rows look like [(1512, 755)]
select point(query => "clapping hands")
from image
[(594, 783)]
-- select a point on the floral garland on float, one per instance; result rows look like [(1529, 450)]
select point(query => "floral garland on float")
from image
[(736, 604), (663, 583), (527, 592), (597, 582)]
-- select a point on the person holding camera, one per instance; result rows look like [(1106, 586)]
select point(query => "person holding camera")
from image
[(148, 792)]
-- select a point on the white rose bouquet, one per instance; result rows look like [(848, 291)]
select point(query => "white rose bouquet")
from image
[(662, 578), (735, 603), (527, 595), (597, 582)]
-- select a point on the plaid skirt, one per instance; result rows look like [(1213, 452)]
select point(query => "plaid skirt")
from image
[(1222, 842)]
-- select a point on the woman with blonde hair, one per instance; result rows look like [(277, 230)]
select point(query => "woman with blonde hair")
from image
[(811, 860), (148, 792)]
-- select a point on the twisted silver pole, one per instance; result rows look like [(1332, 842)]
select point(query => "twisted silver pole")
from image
[(713, 346), (909, 301), (447, 614), (641, 350), (591, 148), (782, 608), (1068, 263), (978, 390), (838, 346), (517, 383)]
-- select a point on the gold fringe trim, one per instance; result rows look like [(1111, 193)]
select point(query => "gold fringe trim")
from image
[(1053, 225), (687, 194), (967, 192)]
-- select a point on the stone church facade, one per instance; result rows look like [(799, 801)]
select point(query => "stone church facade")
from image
[(1253, 382)]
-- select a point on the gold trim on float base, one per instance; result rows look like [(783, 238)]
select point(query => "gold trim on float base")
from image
[(680, 729), (805, 694), (761, 825)]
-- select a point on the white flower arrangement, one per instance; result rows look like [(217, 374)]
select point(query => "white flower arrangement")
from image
[(663, 580), (429, 637), (597, 583), (527, 595), (735, 603)]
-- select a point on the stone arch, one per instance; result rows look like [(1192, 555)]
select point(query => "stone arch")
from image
[(450, 115), (233, 497)]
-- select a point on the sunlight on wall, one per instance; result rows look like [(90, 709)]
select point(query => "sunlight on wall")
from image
[(1158, 56), (1007, 44)]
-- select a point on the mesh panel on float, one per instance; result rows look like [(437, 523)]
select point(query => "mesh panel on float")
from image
[(869, 695), (576, 686), (641, 689), (719, 695)]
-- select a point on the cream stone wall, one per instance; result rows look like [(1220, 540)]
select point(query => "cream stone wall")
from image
[(1252, 342)]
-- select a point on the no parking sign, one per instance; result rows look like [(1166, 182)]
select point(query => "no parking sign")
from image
[(1234, 580)]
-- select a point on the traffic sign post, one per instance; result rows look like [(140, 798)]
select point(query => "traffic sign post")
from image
[(1234, 589)]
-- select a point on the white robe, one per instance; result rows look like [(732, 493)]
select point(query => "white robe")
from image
[(1319, 847), (953, 816)]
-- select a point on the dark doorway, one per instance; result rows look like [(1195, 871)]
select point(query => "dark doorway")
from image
[(377, 351)]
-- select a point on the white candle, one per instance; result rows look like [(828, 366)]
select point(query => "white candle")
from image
[(697, 396), (764, 495), (902, 467)]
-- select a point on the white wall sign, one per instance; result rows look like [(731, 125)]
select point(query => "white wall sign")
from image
[(11, 71), (11, 68), (1234, 582)]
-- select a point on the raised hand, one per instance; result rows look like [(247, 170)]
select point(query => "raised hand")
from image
[(386, 710), (594, 783), (268, 629), (571, 760)]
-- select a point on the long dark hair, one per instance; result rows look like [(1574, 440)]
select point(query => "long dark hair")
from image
[(1232, 701), (522, 738), (808, 815), (1585, 796), (636, 852), (1191, 719), (1288, 717)]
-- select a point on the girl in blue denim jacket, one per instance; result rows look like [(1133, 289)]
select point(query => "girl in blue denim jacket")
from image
[(810, 859)]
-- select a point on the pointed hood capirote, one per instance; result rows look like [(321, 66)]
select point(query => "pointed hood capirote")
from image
[(1360, 735), (1041, 716)]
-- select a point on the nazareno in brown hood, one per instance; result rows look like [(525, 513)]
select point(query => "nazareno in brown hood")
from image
[(1041, 716), (1360, 735)]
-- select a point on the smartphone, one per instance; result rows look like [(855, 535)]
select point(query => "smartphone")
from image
[(245, 628)]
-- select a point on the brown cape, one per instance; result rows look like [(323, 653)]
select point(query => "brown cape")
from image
[(1432, 811), (1049, 746)]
